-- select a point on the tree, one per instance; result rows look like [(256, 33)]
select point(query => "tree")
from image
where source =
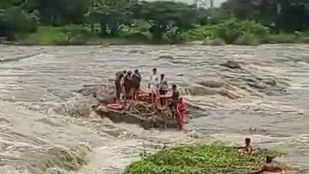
[(59, 12), (163, 15), (286, 15), (111, 14), (15, 20)]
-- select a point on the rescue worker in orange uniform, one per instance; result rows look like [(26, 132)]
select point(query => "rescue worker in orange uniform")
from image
[(180, 113)]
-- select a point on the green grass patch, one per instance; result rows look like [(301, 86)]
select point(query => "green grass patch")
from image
[(68, 35), (44, 36), (200, 159)]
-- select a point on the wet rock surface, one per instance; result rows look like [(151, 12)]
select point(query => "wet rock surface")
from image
[(231, 64)]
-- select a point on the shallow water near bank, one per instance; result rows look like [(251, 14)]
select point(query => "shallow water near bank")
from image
[(41, 109)]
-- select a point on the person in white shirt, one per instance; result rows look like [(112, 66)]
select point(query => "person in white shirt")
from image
[(163, 89), (154, 81), (153, 84)]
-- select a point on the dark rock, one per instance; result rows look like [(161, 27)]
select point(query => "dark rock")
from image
[(231, 64), (258, 85), (270, 82), (166, 57)]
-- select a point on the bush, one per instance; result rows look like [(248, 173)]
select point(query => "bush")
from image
[(173, 35), (247, 39), (18, 21), (214, 42), (77, 35), (139, 30), (279, 38), (229, 31), (200, 32)]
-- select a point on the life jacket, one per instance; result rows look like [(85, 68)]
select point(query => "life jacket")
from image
[(180, 113), (115, 106), (181, 107)]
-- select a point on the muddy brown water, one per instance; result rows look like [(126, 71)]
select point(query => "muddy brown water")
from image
[(40, 108)]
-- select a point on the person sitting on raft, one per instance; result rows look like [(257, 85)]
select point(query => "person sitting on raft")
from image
[(136, 83), (163, 89), (270, 167)]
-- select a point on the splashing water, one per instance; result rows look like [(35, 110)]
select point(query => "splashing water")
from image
[(44, 120)]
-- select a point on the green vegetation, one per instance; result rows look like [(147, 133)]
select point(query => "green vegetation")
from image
[(210, 159), (72, 35), (131, 21)]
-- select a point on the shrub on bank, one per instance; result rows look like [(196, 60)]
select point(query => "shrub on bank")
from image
[(210, 159), (247, 39), (279, 38), (230, 31), (214, 42)]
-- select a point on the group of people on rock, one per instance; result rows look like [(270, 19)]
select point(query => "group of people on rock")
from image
[(128, 84)]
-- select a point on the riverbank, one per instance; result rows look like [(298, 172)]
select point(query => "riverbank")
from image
[(205, 35), (210, 159)]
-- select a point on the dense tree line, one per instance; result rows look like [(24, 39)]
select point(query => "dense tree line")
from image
[(281, 15), (109, 17)]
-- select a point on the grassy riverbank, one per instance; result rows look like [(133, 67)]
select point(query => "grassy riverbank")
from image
[(210, 159), (230, 32)]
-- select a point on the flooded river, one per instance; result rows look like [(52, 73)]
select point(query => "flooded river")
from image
[(46, 125)]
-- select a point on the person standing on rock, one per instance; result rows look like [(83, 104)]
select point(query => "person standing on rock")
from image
[(180, 113), (153, 85), (127, 84), (174, 98), (136, 83), (163, 89), (119, 76)]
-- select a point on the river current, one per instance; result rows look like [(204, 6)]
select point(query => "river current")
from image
[(43, 116)]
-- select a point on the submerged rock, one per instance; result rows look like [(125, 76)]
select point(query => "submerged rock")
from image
[(200, 90), (166, 57), (232, 64)]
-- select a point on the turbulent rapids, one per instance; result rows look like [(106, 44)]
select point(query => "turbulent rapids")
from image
[(52, 121)]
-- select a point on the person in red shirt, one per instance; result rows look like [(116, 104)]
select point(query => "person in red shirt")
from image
[(180, 113)]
